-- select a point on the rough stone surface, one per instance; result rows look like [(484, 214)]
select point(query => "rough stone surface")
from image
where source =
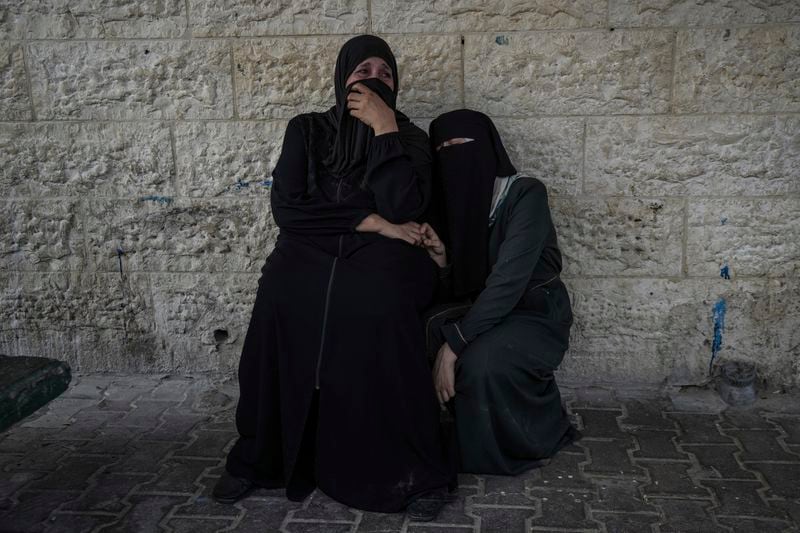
[(227, 158), (41, 235), (15, 102), (748, 69), (87, 19), (752, 237), (619, 236), (252, 18), (131, 80), (558, 73), (690, 13), (162, 234), (472, 15), (693, 156), (549, 149), (74, 159)]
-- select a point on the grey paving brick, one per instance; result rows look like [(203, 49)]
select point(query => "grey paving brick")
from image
[(146, 513), (11, 482), (566, 509), (107, 494), (646, 414), (686, 516), (718, 461), (600, 424), (783, 479), (75, 523), (562, 472), (740, 498), (699, 429), (75, 473), (380, 522), (146, 414), (656, 444), (175, 427), (170, 389), (177, 474), (42, 457), (208, 444), (33, 508), (749, 525), (621, 495), (745, 419), (203, 503), (627, 522), (761, 445), (610, 458), (426, 528), (593, 397), (319, 506), (671, 479), (144, 457), (459, 512), (115, 440), (199, 525), (85, 424), (264, 515), (87, 387), (790, 425), (504, 519)]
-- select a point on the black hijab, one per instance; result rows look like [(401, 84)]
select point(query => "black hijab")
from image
[(347, 155), (466, 174)]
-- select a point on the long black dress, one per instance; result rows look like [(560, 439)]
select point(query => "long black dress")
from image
[(335, 388)]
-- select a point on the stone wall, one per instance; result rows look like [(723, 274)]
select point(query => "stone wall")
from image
[(137, 140)]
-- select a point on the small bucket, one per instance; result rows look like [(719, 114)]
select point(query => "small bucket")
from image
[(736, 383)]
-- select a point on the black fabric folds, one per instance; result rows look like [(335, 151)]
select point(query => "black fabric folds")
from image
[(466, 174)]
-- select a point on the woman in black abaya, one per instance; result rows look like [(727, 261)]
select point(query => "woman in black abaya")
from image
[(499, 347), (335, 391)]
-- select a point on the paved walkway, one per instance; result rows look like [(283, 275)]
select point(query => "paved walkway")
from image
[(141, 454)]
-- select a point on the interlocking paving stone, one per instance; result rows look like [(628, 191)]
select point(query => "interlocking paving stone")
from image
[(176, 427), (107, 494), (146, 512), (33, 508), (600, 424), (621, 495), (319, 506), (75, 523), (146, 414), (783, 479), (11, 482), (761, 445), (208, 444), (656, 444), (566, 509), (562, 472), (610, 458), (204, 504), (737, 419), (177, 474), (718, 461), (198, 525), (316, 527), (264, 514), (699, 429), (626, 522), (740, 498), (749, 525), (671, 478), (686, 516), (504, 519), (380, 522), (594, 397), (791, 425), (646, 414), (143, 457), (75, 473), (42, 457)]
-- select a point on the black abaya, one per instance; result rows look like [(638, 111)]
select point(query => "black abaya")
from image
[(335, 388)]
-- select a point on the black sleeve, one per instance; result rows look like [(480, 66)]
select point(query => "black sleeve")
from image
[(399, 176), (292, 207), (528, 227)]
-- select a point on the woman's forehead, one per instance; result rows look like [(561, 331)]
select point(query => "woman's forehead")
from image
[(374, 59)]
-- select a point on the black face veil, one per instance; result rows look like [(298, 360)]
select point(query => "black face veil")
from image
[(466, 171), (348, 153)]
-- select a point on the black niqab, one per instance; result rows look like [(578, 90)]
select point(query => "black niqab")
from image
[(466, 173)]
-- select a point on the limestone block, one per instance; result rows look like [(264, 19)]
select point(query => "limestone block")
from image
[(551, 73), (691, 13), (41, 235), (71, 159), (747, 69), (657, 329), (280, 78), (89, 19), (430, 73), (277, 17), (15, 102), (550, 149), (93, 321), (160, 233), (227, 158), (202, 319), (691, 156), (619, 236), (131, 80), (782, 319), (752, 237), (472, 15)]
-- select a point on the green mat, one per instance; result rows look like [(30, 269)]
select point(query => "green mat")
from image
[(28, 383)]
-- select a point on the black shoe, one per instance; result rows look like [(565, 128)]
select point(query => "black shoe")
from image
[(231, 489), (428, 506)]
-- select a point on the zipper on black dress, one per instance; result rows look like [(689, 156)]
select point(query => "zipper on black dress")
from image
[(325, 321)]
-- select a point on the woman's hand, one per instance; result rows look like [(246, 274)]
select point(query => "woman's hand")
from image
[(444, 373), (433, 245), (369, 108), (411, 232)]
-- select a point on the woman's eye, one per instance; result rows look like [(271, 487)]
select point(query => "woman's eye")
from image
[(387, 75)]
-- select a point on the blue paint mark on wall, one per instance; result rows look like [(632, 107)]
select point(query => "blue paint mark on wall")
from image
[(723, 221), (720, 308), (163, 200), (241, 185), (266, 183), (725, 272), (502, 40)]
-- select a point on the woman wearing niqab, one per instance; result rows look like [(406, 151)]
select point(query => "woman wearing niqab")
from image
[(499, 346), (335, 389)]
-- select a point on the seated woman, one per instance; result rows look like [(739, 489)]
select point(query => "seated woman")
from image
[(335, 390), (497, 358)]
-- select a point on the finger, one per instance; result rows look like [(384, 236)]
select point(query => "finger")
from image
[(361, 88)]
